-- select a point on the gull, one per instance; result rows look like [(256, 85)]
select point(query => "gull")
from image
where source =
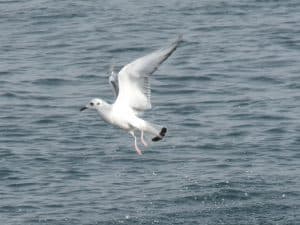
[(132, 90)]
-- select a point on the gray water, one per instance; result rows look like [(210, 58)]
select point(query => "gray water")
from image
[(229, 97)]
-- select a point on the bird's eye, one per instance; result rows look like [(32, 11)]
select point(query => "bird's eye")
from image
[(91, 104)]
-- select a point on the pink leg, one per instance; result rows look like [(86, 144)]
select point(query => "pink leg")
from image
[(142, 139), (138, 151)]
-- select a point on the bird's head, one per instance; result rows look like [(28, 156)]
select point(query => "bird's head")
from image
[(95, 103)]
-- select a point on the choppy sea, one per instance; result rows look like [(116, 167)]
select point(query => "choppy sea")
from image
[(229, 97)]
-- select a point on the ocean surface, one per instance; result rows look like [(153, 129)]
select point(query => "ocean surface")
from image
[(229, 96)]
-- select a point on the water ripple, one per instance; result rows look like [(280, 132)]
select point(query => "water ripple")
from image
[(228, 96)]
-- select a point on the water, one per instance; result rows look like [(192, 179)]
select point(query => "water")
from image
[(229, 96)]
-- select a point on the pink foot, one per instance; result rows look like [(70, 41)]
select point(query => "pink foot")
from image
[(138, 151)]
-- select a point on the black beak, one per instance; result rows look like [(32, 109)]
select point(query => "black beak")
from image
[(83, 108)]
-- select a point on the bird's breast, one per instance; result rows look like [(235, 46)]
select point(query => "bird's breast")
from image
[(122, 119)]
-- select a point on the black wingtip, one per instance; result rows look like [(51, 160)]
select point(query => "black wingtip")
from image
[(163, 131), (161, 135)]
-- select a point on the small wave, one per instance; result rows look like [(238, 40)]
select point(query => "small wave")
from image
[(51, 16), (51, 81), (187, 78), (239, 133), (132, 49), (22, 184), (6, 153), (44, 121), (276, 130), (294, 86), (265, 79), (2, 73), (5, 172), (9, 95), (214, 197), (87, 77), (270, 117), (41, 159)]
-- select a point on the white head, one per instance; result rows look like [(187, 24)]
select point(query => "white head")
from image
[(95, 103)]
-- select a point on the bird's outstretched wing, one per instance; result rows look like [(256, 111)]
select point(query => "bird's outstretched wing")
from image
[(134, 85), (113, 81)]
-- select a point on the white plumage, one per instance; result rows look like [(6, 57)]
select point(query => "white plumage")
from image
[(132, 88)]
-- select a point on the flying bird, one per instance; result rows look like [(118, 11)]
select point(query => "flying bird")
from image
[(132, 90)]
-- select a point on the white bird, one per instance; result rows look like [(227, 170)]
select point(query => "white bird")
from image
[(132, 89)]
